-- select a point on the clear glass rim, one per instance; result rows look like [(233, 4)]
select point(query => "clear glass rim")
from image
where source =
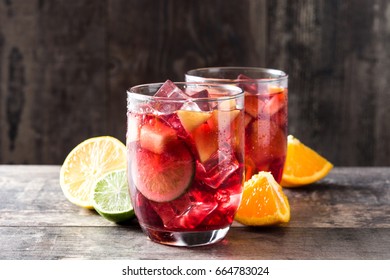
[(133, 92), (276, 75)]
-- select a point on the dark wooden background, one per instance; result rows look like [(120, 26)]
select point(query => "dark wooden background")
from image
[(65, 66)]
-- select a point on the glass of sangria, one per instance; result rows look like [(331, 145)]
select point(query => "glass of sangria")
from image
[(185, 150), (265, 117)]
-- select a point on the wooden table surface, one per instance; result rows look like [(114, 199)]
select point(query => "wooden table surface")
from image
[(344, 216)]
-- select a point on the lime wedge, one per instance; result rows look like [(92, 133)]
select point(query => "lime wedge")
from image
[(111, 197)]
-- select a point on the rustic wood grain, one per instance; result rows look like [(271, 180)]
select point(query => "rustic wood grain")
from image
[(344, 216), (65, 67), (54, 84), (336, 53), (337, 201), (17, 66), (51, 243)]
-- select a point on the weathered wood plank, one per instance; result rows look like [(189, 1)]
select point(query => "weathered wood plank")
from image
[(344, 216), (241, 243), (346, 198)]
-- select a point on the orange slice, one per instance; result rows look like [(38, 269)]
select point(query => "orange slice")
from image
[(86, 164), (303, 166), (263, 202)]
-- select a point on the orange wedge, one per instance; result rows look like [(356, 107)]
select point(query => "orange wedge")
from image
[(263, 202), (86, 164), (303, 166)]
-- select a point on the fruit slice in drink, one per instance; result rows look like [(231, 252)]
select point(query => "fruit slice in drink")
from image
[(221, 120), (253, 105), (156, 136), (192, 119), (277, 101), (164, 167), (206, 141)]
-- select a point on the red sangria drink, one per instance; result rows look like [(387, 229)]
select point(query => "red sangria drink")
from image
[(265, 118), (185, 145)]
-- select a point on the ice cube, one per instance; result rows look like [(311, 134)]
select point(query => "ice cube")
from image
[(133, 127), (222, 196), (165, 107), (224, 213), (187, 211), (203, 105), (217, 168), (169, 90), (252, 86), (190, 106), (200, 94), (145, 108), (247, 84), (140, 108), (173, 121)]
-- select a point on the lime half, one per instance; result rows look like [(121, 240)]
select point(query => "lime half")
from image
[(111, 197)]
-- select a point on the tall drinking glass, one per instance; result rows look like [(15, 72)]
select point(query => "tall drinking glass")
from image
[(265, 117), (185, 145)]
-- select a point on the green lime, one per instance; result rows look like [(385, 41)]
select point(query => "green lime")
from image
[(111, 197)]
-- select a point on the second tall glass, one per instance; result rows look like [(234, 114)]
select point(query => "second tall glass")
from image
[(265, 113)]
